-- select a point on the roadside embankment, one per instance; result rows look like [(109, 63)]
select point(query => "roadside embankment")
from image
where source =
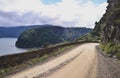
[(10, 62)]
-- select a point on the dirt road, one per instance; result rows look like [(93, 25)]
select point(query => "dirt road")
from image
[(81, 62), (81, 67)]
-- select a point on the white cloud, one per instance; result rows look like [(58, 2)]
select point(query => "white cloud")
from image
[(75, 12)]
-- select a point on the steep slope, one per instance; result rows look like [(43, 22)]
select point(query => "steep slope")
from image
[(109, 29), (37, 37), (16, 30), (111, 26)]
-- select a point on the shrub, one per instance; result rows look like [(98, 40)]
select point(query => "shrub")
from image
[(111, 48)]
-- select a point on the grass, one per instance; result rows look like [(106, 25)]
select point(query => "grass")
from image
[(111, 48), (89, 37), (5, 71), (54, 53)]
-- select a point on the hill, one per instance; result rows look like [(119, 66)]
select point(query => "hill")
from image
[(37, 37), (15, 31)]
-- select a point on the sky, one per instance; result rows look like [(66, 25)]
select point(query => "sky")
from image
[(66, 13)]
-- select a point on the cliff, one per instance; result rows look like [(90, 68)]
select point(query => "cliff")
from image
[(111, 23), (108, 28)]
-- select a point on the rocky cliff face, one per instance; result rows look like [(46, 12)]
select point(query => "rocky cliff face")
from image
[(109, 25), (108, 29), (111, 29)]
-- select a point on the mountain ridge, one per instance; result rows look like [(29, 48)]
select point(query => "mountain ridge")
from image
[(15, 31)]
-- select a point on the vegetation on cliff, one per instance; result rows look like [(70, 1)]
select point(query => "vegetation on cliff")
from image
[(109, 29)]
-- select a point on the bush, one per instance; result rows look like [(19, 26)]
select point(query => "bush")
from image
[(111, 48)]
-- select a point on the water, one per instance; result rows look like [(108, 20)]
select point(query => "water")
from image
[(7, 46)]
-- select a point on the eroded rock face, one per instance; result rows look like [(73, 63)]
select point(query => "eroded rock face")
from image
[(110, 23), (111, 34)]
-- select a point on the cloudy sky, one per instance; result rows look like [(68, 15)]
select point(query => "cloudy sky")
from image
[(67, 13)]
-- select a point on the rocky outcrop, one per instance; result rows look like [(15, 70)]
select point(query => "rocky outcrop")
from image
[(111, 29), (109, 25), (108, 29)]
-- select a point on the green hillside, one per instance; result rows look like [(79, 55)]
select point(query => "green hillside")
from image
[(38, 37)]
